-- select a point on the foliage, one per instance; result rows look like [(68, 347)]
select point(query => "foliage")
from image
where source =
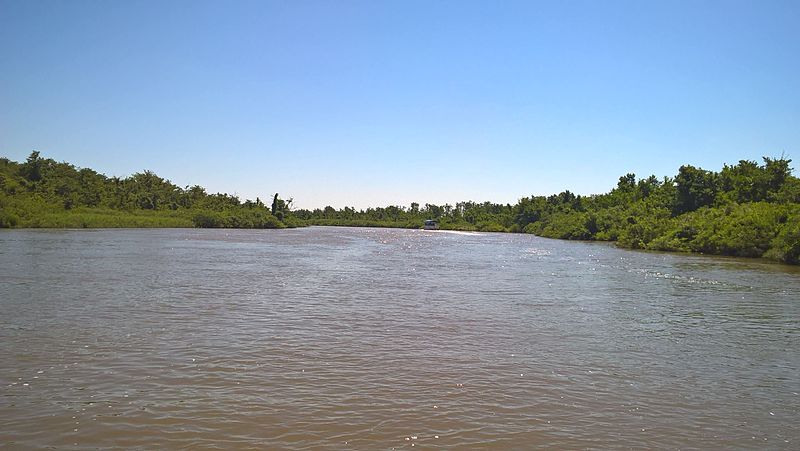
[(786, 245), (748, 209), (744, 210), (44, 193), (695, 188), (745, 230)]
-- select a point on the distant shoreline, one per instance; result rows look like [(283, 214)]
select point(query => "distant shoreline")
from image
[(746, 210)]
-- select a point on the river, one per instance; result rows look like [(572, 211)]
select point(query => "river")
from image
[(362, 338)]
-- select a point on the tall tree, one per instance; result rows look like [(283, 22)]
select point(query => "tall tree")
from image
[(696, 188)]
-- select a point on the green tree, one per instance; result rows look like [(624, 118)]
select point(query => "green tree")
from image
[(32, 168), (695, 188)]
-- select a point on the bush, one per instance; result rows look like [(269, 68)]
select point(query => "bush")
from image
[(570, 225), (741, 230), (8, 220), (744, 230), (208, 220), (641, 231), (786, 246), (487, 226)]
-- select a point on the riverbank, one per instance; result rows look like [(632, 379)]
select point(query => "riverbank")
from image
[(754, 230), (729, 237), (747, 210)]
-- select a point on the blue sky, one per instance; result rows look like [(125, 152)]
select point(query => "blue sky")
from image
[(387, 102)]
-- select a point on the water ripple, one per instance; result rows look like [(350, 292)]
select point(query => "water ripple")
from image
[(375, 338)]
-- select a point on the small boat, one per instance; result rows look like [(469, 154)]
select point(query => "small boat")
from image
[(431, 224)]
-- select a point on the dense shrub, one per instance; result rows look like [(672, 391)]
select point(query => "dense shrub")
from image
[(8, 219), (786, 245)]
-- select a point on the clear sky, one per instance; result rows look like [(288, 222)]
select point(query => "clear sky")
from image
[(351, 103)]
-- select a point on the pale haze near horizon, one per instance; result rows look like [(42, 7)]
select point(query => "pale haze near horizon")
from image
[(387, 103)]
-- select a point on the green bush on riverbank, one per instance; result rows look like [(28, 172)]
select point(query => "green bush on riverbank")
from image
[(44, 193), (747, 210)]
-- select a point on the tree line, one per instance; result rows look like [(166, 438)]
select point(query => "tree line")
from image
[(41, 192), (749, 209)]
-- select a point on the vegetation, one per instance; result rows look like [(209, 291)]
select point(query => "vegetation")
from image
[(748, 210), (44, 193)]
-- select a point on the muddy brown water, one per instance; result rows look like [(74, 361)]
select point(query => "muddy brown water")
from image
[(348, 338)]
